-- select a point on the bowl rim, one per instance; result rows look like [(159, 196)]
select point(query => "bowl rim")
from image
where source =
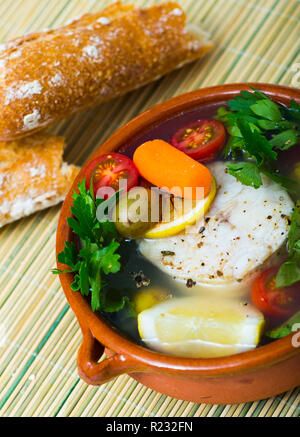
[(108, 335)]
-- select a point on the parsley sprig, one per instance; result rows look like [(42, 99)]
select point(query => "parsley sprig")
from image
[(97, 257), (259, 128)]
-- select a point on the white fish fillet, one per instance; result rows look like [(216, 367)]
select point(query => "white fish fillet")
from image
[(243, 228)]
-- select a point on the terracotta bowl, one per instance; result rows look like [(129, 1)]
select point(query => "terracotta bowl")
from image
[(261, 373)]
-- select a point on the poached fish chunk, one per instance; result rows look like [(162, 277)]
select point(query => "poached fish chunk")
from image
[(240, 232)]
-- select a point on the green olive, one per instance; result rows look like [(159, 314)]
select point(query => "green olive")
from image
[(133, 213)]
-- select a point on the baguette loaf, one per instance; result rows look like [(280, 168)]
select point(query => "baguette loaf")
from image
[(48, 76), (33, 175)]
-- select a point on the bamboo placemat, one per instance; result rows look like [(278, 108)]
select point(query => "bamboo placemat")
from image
[(39, 335)]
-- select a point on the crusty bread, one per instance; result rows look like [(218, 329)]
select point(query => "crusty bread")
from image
[(33, 175), (48, 76)]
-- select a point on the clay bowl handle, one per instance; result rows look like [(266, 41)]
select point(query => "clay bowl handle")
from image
[(97, 373)]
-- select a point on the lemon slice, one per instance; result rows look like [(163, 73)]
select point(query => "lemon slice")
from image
[(180, 222), (201, 327)]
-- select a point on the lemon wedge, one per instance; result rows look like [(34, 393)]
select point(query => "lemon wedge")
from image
[(181, 221), (201, 327)]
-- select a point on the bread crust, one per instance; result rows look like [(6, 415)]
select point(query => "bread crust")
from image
[(33, 175), (48, 76)]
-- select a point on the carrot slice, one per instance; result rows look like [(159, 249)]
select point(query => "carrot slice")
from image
[(167, 167)]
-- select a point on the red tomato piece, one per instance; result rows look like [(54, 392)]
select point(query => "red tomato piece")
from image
[(273, 301), (200, 139), (107, 170)]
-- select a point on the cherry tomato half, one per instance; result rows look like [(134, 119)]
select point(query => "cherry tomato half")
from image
[(200, 139), (107, 170), (273, 301)]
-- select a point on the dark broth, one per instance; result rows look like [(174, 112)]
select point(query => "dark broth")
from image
[(132, 260)]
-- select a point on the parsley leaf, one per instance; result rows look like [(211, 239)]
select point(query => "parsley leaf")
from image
[(112, 301), (294, 234), (286, 183), (289, 272), (286, 328), (84, 212), (292, 112), (267, 109), (255, 144), (109, 258), (69, 256), (246, 172), (98, 256), (284, 140)]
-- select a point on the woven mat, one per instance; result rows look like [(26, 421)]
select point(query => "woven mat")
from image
[(39, 336)]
